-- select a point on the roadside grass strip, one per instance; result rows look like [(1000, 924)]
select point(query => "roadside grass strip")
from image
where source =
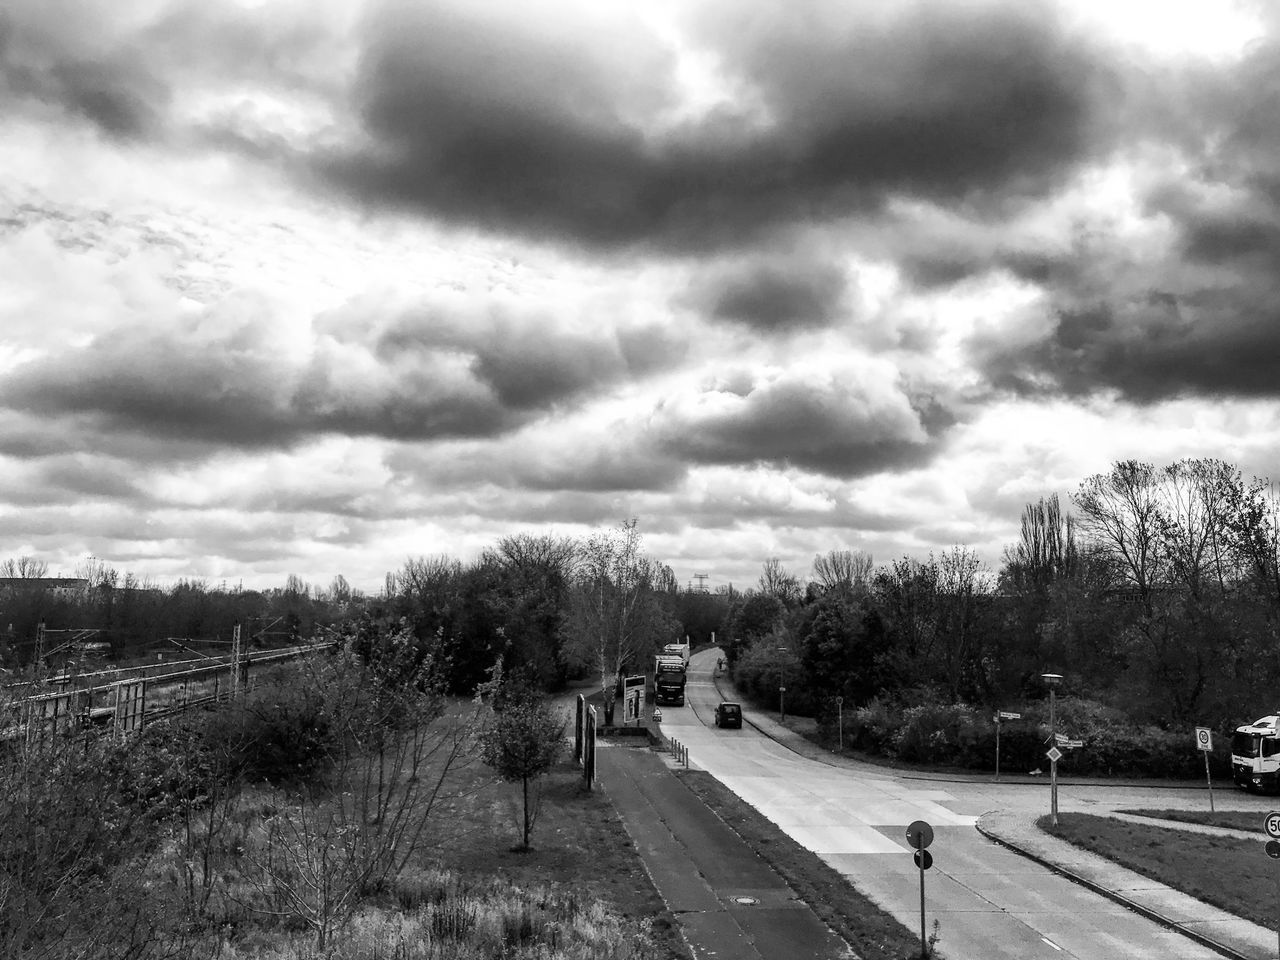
[(578, 845), (1230, 873), (1250, 820)]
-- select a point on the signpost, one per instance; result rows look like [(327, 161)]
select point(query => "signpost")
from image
[(1002, 715), (1054, 754), (1272, 849), (919, 836), (1204, 742), (840, 721)]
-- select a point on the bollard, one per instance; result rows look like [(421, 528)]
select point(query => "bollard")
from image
[(686, 758)]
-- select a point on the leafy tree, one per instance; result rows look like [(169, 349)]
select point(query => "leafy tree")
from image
[(753, 616), (522, 743)]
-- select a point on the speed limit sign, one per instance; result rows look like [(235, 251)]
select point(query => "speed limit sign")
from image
[(1204, 739)]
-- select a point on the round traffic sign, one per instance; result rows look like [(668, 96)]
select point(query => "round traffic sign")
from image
[(1202, 737), (919, 835), (1272, 824), (924, 859), (1273, 849)]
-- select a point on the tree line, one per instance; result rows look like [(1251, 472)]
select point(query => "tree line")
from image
[(1154, 589), (1155, 592)]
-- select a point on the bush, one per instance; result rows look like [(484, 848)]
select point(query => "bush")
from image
[(916, 730)]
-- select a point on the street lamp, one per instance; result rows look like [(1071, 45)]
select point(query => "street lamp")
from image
[(1053, 679)]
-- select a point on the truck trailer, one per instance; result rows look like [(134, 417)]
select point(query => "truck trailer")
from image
[(680, 650)]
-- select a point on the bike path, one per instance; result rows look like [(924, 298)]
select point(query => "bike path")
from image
[(730, 904)]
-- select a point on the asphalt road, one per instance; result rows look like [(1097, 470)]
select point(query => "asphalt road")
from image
[(991, 904), (731, 904)]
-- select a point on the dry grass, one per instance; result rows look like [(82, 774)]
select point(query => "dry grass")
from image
[(577, 842)]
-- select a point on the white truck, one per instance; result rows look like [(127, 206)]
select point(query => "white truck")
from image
[(680, 650), (1255, 754)]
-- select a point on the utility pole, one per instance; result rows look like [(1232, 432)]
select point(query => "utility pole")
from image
[(235, 661)]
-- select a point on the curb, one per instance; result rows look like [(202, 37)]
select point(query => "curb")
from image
[(1119, 898)]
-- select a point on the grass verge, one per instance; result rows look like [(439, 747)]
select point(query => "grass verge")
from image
[(578, 842), (1232, 874), (870, 931), (1230, 819)]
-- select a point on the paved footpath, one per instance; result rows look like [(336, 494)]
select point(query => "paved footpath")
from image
[(730, 904)]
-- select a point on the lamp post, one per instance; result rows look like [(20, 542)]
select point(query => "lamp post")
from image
[(1053, 679)]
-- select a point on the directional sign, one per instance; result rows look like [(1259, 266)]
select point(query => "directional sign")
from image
[(1204, 738), (1061, 738), (1272, 824), (1072, 744), (1054, 754), (924, 859), (1007, 715), (1271, 846), (919, 835)]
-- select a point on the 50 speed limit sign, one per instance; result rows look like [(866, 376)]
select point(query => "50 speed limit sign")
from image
[(1204, 739)]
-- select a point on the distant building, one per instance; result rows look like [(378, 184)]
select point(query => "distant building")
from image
[(58, 586)]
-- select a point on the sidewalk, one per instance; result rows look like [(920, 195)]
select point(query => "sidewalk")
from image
[(730, 904), (1225, 932)]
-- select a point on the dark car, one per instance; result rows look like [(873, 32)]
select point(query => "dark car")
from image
[(729, 715)]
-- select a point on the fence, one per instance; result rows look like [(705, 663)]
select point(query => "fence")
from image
[(138, 696)]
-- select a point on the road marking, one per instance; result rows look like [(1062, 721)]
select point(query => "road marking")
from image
[(1052, 944)]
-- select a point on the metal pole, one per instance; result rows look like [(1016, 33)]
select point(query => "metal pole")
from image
[(840, 721), (1208, 779), (998, 747), (1053, 764), (782, 702), (924, 944)]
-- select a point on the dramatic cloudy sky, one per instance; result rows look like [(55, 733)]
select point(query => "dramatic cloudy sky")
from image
[(313, 286)]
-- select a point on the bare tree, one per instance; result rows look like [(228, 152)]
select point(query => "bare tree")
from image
[(1046, 550), (25, 568), (615, 619), (845, 570), (1120, 510), (1193, 520), (776, 581)]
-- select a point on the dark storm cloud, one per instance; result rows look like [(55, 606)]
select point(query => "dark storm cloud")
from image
[(527, 362), (115, 92), (774, 295), (1197, 316), (160, 388), (122, 70), (826, 428), (1151, 349), (426, 376), (520, 127)]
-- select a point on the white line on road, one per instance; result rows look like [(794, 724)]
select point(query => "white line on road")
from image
[(1052, 944)]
